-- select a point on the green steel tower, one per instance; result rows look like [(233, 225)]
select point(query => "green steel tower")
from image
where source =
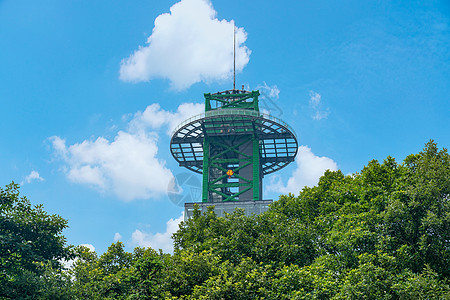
[(233, 145)]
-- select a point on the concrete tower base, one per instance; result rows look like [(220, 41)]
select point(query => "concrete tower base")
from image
[(220, 208)]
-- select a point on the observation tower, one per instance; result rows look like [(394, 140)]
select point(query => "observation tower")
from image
[(233, 145)]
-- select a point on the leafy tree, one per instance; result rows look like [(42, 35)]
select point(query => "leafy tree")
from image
[(417, 219), (382, 233), (31, 244), (104, 277), (145, 275), (245, 280)]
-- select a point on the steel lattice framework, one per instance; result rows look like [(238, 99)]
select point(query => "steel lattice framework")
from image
[(233, 135)]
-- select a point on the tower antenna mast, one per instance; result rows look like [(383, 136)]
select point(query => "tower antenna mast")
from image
[(234, 56)]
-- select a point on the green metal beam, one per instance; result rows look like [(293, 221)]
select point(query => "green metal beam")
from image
[(228, 184), (227, 160), (205, 169), (229, 148), (234, 170), (256, 170), (238, 100), (236, 195)]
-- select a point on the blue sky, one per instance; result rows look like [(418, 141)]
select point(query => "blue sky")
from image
[(90, 91)]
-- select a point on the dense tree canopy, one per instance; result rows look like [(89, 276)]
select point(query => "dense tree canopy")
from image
[(31, 247), (382, 233)]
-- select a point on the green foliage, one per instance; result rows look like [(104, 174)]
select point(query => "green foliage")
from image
[(110, 276), (144, 277), (383, 233), (378, 234), (31, 246), (245, 280)]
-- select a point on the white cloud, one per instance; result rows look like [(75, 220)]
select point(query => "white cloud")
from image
[(59, 146), (154, 117), (307, 173), (269, 91), (117, 237), (188, 45), (33, 176), (314, 99), (158, 240), (127, 166), (319, 115), (315, 103)]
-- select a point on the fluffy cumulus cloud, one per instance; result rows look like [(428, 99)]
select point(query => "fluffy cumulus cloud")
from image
[(127, 166), (309, 168), (157, 240), (154, 117), (33, 176), (188, 45), (315, 103)]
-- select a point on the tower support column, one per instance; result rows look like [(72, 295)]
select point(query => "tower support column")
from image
[(256, 171), (205, 184)]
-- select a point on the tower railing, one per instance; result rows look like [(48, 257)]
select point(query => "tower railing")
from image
[(222, 112)]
